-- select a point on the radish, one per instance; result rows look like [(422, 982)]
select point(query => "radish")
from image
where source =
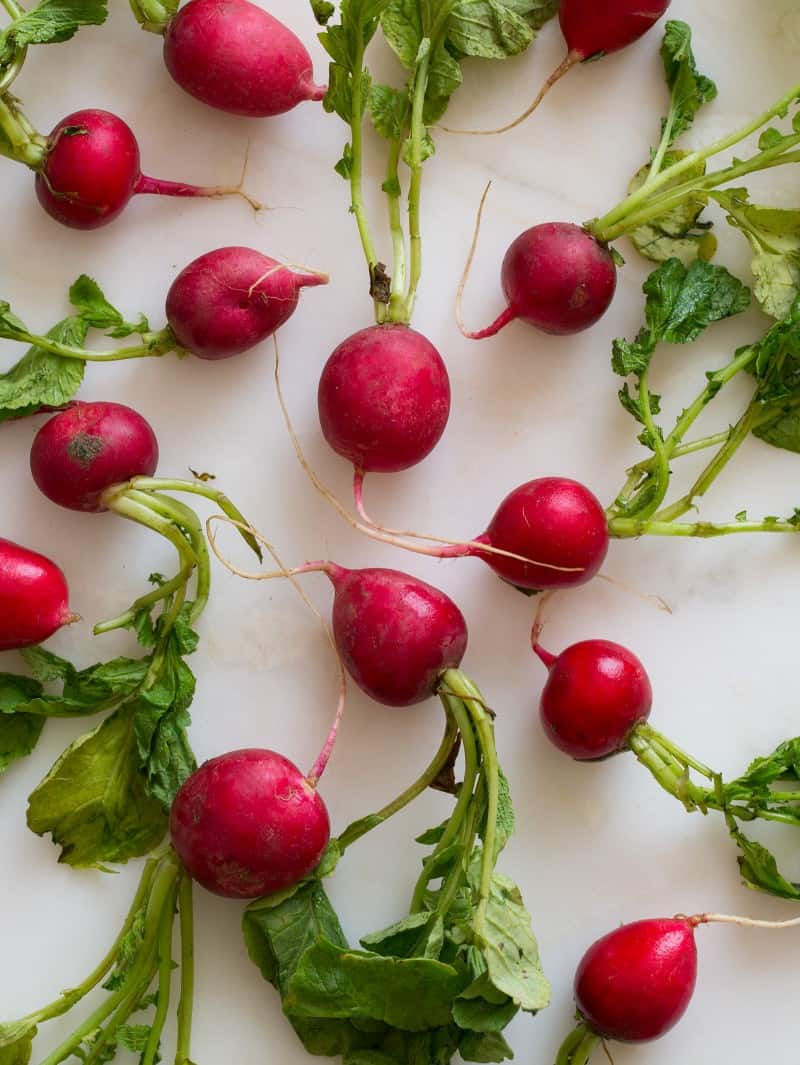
[(222, 304), (234, 56), (596, 693), (93, 447), (591, 30), (634, 984), (229, 300), (384, 398), (34, 597), (249, 823)]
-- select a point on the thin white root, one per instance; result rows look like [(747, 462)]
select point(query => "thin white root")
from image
[(539, 619), (375, 532), (468, 267), (646, 597), (744, 922)]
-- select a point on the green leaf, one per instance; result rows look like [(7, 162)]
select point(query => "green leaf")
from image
[(481, 1009), (774, 236), (133, 1037), (759, 868), (690, 89), (47, 666), (94, 801), (390, 110), (401, 23), (16, 1042), (681, 302), (40, 379), (679, 233), (52, 21), (128, 952), (87, 297), (323, 11), (88, 691), (407, 993), (510, 949), (399, 940), (19, 732), (485, 1047)]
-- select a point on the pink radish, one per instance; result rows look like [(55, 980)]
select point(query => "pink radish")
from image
[(591, 30), (384, 398), (86, 450), (34, 597), (91, 170), (249, 823), (596, 693), (234, 56), (231, 299), (555, 276)]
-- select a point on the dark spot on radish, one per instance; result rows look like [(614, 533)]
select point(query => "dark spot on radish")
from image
[(84, 449)]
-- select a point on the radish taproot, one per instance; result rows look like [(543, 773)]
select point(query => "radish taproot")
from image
[(249, 823), (34, 597), (596, 703), (222, 304), (634, 984), (233, 55), (88, 169), (384, 398)]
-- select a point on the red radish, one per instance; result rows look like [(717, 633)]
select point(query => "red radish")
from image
[(90, 448), (231, 299), (235, 56), (636, 983), (34, 598), (558, 278), (596, 693), (396, 634), (91, 170), (384, 398), (591, 30), (557, 522), (249, 823)]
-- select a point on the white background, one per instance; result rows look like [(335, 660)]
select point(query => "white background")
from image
[(596, 845)]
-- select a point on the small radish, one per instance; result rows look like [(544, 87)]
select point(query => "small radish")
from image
[(596, 693), (234, 56), (231, 299), (90, 170), (249, 823), (34, 597), (92, 447), (634, 984), (384, 398), (591, 30)]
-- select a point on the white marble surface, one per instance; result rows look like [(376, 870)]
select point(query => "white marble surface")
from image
[(596, 844)]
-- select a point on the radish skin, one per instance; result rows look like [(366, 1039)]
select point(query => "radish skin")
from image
[(34, 597)]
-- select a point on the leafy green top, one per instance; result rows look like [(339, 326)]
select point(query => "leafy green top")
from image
[(50, 22)]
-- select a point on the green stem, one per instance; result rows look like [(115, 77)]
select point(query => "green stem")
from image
[(151, 1050), (714, 468), (651, 496), (67, 999), (393, 193), (364, 825), (715, 382), (22, 147), (186, 1003), (154, 346), (151, 15), (575, 1039), (14, 9), (416, 160), (694, 159), (164, 591), (628, 528)]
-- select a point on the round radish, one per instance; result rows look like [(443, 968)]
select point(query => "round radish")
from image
[(249, 823), (231, 299), (236, 57), (556, 277), (591, 29), (396, 634), (596, 692), (384, 398), (84, 451), (34, 598), (557, 522), (91, 170), (636, 983)]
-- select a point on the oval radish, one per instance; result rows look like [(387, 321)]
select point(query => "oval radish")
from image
[(34, 597)]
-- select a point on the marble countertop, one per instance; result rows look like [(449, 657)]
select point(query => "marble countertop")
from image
[(595, 845)]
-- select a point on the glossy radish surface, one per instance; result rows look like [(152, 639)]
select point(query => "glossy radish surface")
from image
[(248, 823), (397, 635), (234, 56), (34, 597), (231, 299), (384, 398), (596, 692), (591, 28), (636, 983), (554, 521), (83, 451)]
